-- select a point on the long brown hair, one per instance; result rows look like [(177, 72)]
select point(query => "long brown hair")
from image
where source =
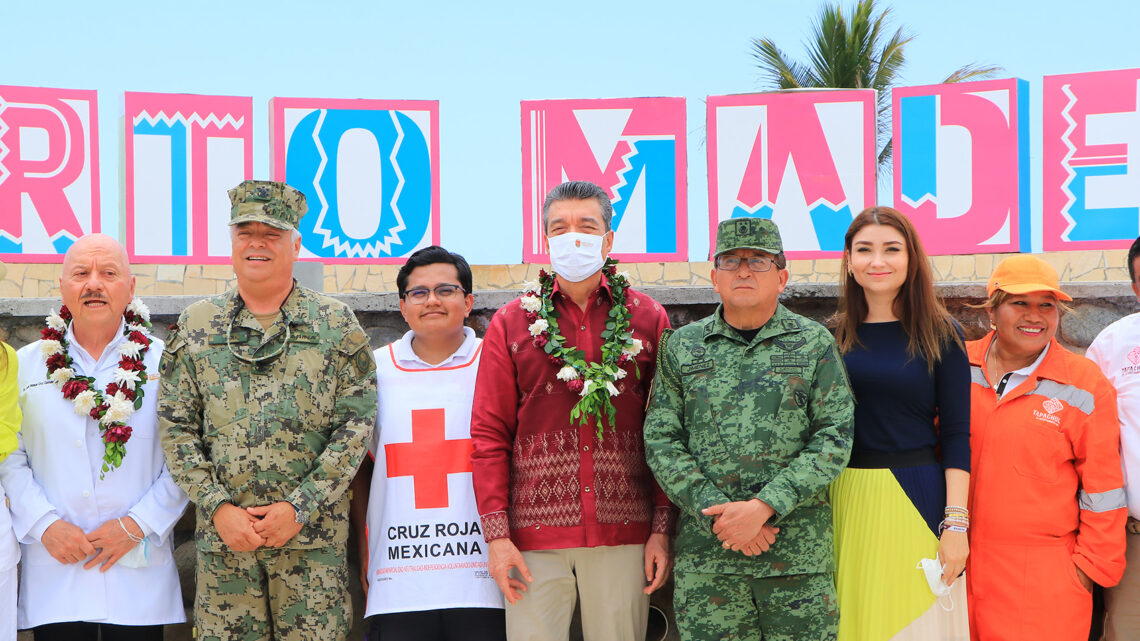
[(924, 318)]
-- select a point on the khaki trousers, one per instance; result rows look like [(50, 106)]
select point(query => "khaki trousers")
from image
[(1122, 603), (608, 580)]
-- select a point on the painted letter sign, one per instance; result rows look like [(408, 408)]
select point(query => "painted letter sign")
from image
[(961, 164), (183, 154), (369, 170), (1091, 152), (633, 148), (805, 159), (49, 171)]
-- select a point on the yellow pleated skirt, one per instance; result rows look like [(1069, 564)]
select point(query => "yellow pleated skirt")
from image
[(880, 537)]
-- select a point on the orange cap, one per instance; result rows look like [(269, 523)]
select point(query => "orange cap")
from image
[(1025, 273)]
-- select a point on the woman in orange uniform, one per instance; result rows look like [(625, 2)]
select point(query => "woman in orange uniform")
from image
[(1046, 491)]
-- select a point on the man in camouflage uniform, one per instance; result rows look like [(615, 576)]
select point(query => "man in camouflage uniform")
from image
[(267, 400), (750, 419)]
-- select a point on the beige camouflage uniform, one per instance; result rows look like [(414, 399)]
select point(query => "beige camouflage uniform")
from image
[(291, 427)]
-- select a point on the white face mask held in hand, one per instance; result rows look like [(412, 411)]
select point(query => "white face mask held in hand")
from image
[(933, 571), (138, 557), (575, 256)]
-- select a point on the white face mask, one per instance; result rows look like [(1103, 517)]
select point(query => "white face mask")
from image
[(138, 556), (576, 256), (933, 571)]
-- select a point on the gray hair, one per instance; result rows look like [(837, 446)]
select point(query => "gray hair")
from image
[(578, 190)]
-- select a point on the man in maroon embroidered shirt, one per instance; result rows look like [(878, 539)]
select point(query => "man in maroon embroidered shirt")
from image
[(566, 513)]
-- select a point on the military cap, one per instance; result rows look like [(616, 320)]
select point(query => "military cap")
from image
[(748, 233), (264, 201)]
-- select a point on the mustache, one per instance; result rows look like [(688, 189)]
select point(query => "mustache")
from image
[(92, 296)]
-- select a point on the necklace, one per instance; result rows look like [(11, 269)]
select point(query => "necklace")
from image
[(593, 382), (113, 406)]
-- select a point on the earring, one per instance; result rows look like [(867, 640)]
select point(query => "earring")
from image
[(993, 327)]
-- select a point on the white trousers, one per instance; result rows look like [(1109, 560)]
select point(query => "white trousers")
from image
[(8, 604)]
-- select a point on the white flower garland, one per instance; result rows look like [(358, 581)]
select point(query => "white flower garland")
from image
[(113, 407)]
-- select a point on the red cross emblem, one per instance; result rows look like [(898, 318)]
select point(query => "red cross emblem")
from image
[(429, 458)]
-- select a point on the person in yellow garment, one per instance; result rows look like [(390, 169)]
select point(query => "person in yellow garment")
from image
[(9, 547), (902, 498)]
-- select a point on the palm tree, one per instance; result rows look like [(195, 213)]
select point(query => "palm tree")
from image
[(852, 54)]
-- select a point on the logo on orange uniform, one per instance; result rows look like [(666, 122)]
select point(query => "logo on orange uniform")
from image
[(1051, 407)]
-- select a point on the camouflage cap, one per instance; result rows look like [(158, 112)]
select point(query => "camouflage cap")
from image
[(264, 201), (748, 233)]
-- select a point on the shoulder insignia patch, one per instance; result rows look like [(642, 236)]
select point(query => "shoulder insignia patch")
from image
[(364, 362)]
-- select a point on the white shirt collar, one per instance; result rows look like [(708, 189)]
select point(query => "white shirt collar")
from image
[(1017, 376), (406, 357), (87, 362)]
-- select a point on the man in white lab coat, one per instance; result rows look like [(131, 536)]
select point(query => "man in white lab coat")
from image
[(92, 503)]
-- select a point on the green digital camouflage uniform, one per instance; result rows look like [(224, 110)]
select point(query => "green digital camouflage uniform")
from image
[(731, 420), (291, 427)]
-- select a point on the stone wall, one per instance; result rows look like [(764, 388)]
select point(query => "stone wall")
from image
[(42, 280)]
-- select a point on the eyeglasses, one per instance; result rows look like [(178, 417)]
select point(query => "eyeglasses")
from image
[(444, 292), (258, 360), (730, 263)]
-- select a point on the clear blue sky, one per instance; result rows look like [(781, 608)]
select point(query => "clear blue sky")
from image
[(480, 59)]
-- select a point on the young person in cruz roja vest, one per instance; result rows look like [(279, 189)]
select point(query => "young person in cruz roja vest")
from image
[(423, 559)]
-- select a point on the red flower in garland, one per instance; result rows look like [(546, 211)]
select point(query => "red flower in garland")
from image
[(98, 411), (117, 434), (575, 385), (540, 341), (50, 334), (129, 364), (56, 361), (65, 313), (75, 387), (138, 337)]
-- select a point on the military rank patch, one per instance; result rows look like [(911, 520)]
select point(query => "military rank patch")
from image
[(790, 324), (789, 364), (790, 343), (699, 366)]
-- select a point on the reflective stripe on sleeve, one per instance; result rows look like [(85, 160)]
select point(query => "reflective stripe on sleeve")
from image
[(1071, 394), (978, 377), (1102, 501)]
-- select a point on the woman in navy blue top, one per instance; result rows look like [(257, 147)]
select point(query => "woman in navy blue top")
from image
[(903, 496)]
